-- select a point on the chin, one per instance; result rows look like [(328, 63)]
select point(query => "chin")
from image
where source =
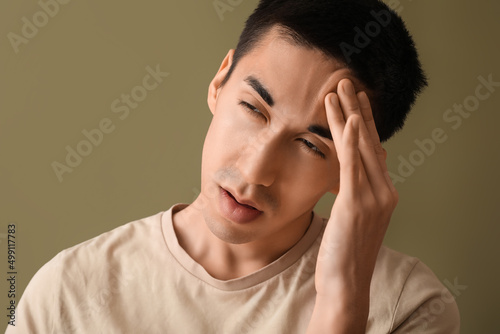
[(227, 231)]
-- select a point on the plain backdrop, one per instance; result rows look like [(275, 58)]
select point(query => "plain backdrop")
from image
[(63, 79)]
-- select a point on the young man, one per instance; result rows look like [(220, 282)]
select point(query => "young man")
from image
[(299, 109)]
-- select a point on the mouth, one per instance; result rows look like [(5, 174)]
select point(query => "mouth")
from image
[(237, 210), (247, 204)]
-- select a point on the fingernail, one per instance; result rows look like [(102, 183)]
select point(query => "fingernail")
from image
[(333, 98), (362, 96), (348, 88)]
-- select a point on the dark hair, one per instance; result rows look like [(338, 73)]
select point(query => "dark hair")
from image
[(365, 35)]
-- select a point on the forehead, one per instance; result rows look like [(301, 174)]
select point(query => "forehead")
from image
[(297, 77)]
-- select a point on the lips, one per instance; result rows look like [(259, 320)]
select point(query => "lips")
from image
[(238, 211), (248, 204)]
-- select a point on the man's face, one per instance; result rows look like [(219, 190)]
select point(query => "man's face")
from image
[(268, 145)]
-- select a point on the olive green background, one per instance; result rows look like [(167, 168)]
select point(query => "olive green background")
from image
[(65, 78)]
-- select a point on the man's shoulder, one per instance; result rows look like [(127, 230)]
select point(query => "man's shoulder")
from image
[(105, 251), (409, 293), (72, 283), (116, 238), (396, 271), (392, 272), (390, 261)]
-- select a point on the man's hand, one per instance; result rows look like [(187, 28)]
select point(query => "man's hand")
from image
[(359, 218)]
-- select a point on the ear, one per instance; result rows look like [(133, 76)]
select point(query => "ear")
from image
[(214, 87)]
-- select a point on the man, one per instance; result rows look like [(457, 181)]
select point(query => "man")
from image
[(299, 109)]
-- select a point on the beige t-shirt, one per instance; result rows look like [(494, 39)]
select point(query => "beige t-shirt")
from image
[(137, 279)]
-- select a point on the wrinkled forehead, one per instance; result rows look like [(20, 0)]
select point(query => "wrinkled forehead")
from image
[(297, 77)]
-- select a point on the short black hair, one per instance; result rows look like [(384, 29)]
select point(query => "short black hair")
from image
[(365, 36)]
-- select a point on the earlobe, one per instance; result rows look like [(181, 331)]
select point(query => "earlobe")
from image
[(214, 87)]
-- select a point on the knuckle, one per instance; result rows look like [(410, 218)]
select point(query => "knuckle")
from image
[(395, 198), (387, 201), (352, 107), (385, 204), (378, 149), (366, 143)]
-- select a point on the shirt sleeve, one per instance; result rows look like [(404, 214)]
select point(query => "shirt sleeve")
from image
[(34, 313), (425, 305)]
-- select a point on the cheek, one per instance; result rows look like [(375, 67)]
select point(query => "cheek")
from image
[(223, 139), (333, 175), (306, 183)]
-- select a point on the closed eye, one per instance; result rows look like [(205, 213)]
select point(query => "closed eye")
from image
[(251, 109), (306, 145), (310, 147)]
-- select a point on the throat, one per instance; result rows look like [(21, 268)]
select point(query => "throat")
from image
[(225, 260)]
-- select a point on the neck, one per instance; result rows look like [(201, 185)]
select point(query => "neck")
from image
[(223, 260)]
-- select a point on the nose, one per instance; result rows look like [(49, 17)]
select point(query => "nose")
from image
[(259, 162)]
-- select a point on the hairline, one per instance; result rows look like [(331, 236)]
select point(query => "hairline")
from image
[(290, 36), (293, 38)]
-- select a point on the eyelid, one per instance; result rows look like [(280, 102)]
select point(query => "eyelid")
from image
[(252, 109), (316, 151), (255, 100)]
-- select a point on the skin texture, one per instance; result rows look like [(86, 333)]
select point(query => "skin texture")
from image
[(265, 154)]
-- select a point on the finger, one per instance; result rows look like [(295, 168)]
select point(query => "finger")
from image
[(348, 99), (369, 122), (352, 106), (370, 172), (346, 141), (350, 161), (375, 175), (366, 112), (335, 119)]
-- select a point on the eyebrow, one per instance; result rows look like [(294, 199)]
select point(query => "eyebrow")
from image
[(266, 96), (321, 131), (259, 88)]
